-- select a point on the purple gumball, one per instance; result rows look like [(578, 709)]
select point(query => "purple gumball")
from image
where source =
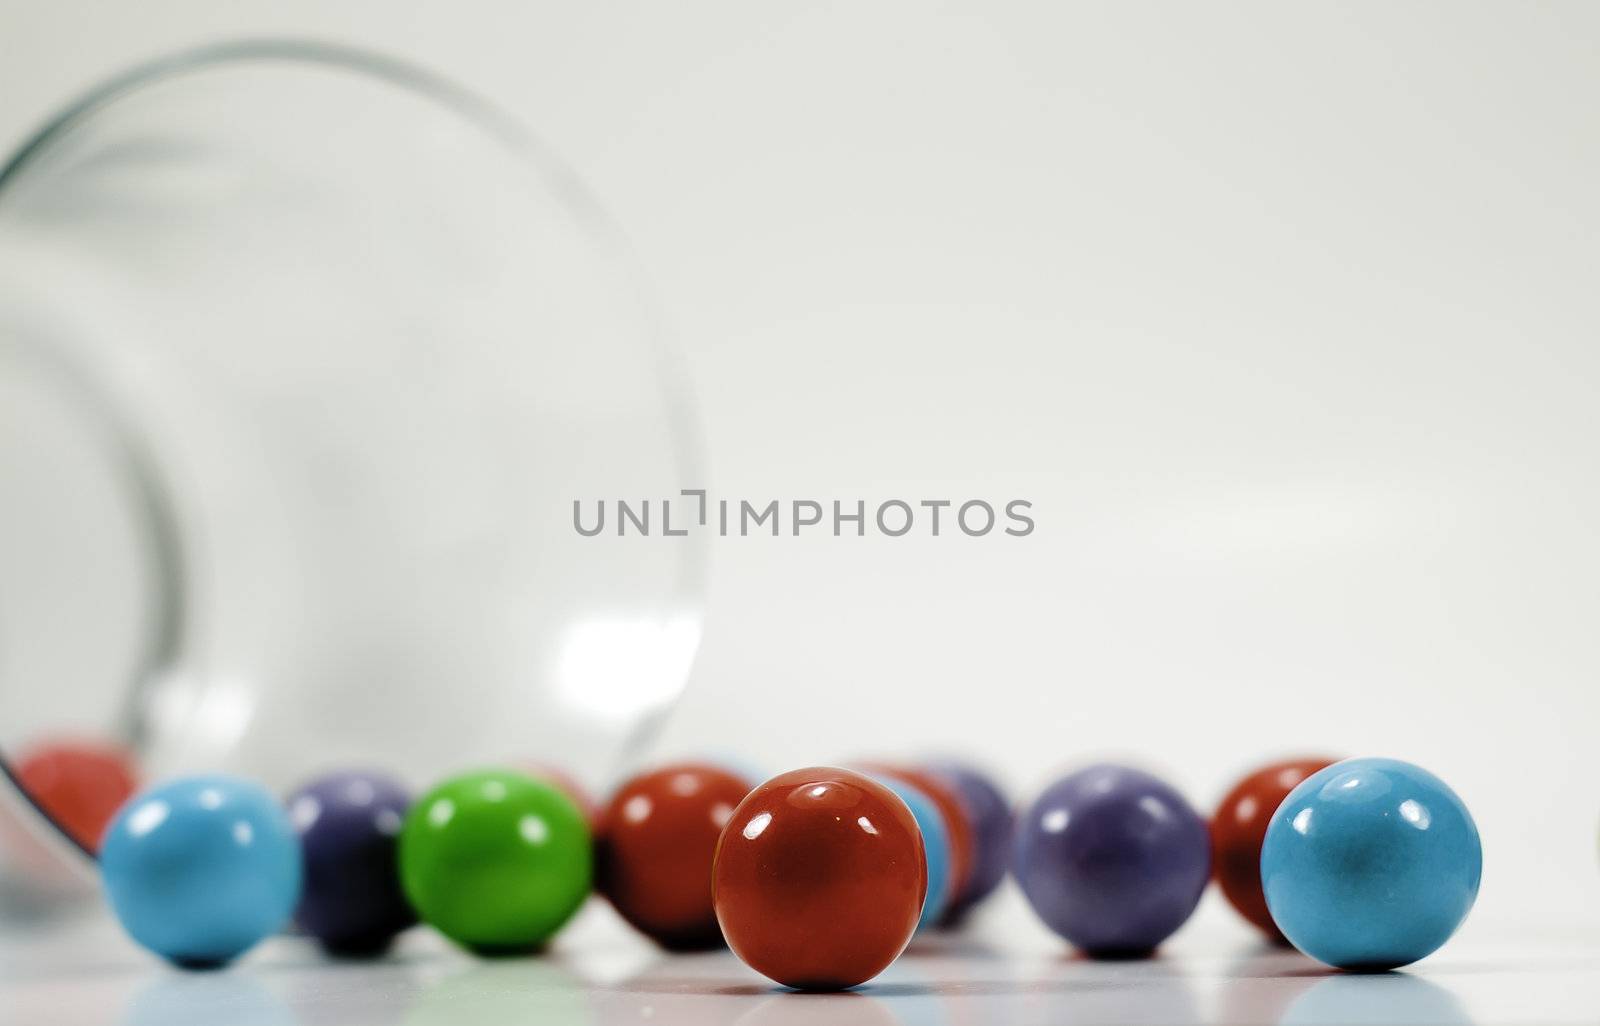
[(349, 825), (989, 815), (1112, 859)]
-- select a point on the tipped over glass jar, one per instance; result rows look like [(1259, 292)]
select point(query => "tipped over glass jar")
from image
[(305, 355)]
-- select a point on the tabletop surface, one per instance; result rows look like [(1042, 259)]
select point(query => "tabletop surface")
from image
[(1002, 971)]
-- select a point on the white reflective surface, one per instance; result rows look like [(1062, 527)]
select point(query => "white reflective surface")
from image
[(1007, 971)]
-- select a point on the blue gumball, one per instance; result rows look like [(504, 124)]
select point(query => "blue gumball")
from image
[(935, 844), (201, 868), (1370, 864)]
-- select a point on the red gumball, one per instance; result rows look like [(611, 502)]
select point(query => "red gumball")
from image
[(657, 838), (81, 785), (1239, 828), (819, 878)]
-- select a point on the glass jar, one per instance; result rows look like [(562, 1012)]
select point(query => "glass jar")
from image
[(305, 357)]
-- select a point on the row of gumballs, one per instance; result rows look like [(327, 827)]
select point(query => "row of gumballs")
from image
[(199, 869), (1364, 864), (817, 878)]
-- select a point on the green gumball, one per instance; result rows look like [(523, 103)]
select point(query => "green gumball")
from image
[(495, 860)]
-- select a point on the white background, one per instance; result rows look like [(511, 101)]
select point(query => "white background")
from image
[(1284, 317)]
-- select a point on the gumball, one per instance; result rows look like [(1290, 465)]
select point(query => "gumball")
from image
[(495, 860), (957, 820), (819, 878), (935, 847), (201, 868), (1112, 859), (349, 826), (1370, 864), (658, 836), (1240, 826), (81, 785), (989, 816)]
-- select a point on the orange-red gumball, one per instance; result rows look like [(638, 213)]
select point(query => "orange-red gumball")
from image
[(79, 784), (819, 879), (1240, 826), (655, 844)]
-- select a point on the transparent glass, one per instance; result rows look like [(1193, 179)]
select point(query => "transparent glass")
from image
[(305, 356)]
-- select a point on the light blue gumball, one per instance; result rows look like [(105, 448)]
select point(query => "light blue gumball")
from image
[(201, 868), (1370, 864), (935, 842)]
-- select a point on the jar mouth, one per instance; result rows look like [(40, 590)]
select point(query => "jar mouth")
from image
[(44, 867), (535, 357), (269, 50), (95, 440), (33, 813)]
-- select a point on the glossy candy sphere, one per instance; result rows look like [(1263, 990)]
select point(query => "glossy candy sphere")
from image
[(349, 826), (201, 868), (1112, 859), (820, 878), (1371, 864), (935, 847), (80, 784), (1240, 826), (495, 860), (989, 817), (657, 839)]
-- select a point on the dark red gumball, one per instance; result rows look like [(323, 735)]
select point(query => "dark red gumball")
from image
[(656, 840), (819, 878), (80, 784), (1240, 826)]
